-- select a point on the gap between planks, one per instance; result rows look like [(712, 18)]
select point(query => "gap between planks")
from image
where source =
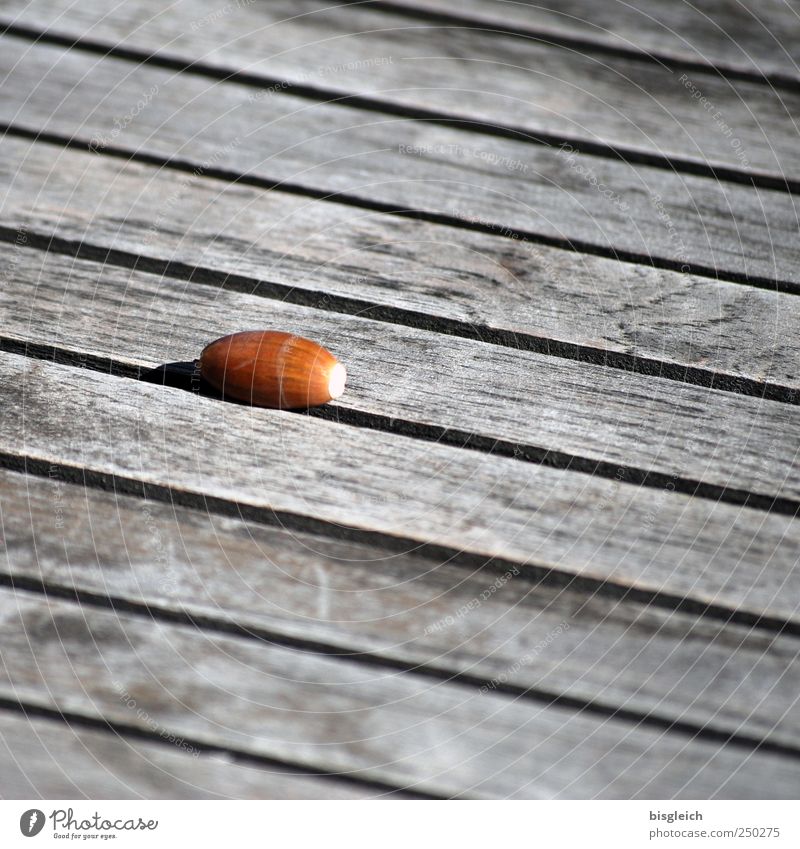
[(158, 613), (391, 543), (354, 599), (408, 273), (476, 225), (518, 340), (552, 204), (601, 42), (179, 378), (277, 703), (594, 442), (104, 764), (375, 788), (662, 542), (776, 179)]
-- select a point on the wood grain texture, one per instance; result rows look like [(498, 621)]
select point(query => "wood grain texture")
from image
[(278, 693), (426, 378), (405, 608), (46, 759), (493, 506), (484, 77), (746, 36), (338, 715), (329, 249), (646, 213)]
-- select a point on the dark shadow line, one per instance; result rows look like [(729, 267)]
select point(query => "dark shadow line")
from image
[(586, 44), (376, 661), (265, 762), (186, 377), (771, 284), (333, 97), (548, 576), (692, 375)]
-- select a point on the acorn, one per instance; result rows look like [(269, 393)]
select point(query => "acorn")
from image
[(269, 368)]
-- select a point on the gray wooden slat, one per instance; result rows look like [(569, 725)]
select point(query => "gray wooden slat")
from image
[(461, 72), (495, 626), (751, 36), (322, 712), (413, 265), (590, 411), (652, 539), (690, 221), (43, 759)]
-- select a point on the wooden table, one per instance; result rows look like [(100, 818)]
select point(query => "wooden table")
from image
[(546, 545)]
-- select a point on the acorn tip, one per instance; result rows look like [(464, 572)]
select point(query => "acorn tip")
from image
[(337, 381)]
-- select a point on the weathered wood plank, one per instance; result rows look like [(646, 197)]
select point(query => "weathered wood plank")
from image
[(343, 716), (330, 249), (653, 539), (458, 72), (584, 410), (748, 36), (499, 627), (646, 213), (44, 759)]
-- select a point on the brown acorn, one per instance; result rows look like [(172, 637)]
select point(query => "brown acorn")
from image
[(269, 368)]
